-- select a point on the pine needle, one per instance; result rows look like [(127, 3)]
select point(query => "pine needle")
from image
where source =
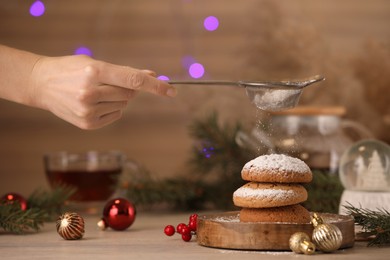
[(42, 205), (374, 223), (215, 156), (52, 202), (15, 220)]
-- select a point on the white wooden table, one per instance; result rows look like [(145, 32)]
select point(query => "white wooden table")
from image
[(145, 239)]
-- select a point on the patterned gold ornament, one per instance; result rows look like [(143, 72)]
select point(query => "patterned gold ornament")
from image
[(70, 226), (300, 243), (327, 237)]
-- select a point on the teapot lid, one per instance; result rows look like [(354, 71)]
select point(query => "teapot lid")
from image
[(313, 111)]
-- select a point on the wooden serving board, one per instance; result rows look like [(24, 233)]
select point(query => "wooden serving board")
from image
[(226, 231)]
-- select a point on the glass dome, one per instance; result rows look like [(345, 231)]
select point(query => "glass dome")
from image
[(365, 166)]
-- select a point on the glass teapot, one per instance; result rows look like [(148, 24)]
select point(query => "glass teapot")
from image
[(316, 135)]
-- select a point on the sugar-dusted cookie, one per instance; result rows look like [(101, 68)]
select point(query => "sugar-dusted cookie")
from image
[(267, 195), (277, 168), (287, 214)]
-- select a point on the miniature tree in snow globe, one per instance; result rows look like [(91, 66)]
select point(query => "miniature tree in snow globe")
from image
[(365, 166)]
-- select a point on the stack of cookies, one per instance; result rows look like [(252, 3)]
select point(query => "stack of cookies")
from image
[(274, 190)]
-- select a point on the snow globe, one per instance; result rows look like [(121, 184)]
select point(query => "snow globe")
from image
[(365, 174), (365, 166)]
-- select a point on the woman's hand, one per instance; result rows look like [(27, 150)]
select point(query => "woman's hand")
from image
[(89, 93)]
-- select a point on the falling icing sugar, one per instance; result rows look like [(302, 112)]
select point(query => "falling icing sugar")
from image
[(278, 162)]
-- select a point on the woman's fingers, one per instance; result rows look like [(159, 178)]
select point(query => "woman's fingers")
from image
[(109, 118), (107, 93), (130, 78), (150, 72), (97, 115), (90, 93)]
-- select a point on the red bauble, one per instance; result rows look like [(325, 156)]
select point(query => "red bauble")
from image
[(119, 213), (11, 198)]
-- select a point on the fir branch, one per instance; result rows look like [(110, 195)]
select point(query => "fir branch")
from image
[(373, 223), (52, 202), (42, 206), (145, 190), (324, 192), (216, 157), (216, 150), (15, 220)]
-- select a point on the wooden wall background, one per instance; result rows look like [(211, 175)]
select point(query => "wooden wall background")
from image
[(348, 41)]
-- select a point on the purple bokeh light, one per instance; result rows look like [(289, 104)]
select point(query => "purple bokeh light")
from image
[(37, 9), (206, 149), (187, 61), (83, 51), (208, 152), (163, 77), (211, 23), (196, 70)]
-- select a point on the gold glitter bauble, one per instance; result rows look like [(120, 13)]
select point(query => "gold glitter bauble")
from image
[(327, 237), (70, 226), (300, 243)]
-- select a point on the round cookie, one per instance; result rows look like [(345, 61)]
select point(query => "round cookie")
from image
[(278, 168), (287, 214), (267, 195)]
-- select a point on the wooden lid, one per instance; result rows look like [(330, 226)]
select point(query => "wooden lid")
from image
[(313, 110)]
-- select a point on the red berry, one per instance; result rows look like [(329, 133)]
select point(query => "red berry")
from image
[(192, 225), (194, 217), (186, 237), (185, 230), (179, 227), (169, 230)]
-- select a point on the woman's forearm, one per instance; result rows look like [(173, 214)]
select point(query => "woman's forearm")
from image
[(81, 90), (16, 67)]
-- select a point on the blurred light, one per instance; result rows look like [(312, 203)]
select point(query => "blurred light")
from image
[(163, 77), (114, 210), (206, 149), (187, 61), (196, 70), (37, 9), (208, 152), (83, 50), (211, 23)]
